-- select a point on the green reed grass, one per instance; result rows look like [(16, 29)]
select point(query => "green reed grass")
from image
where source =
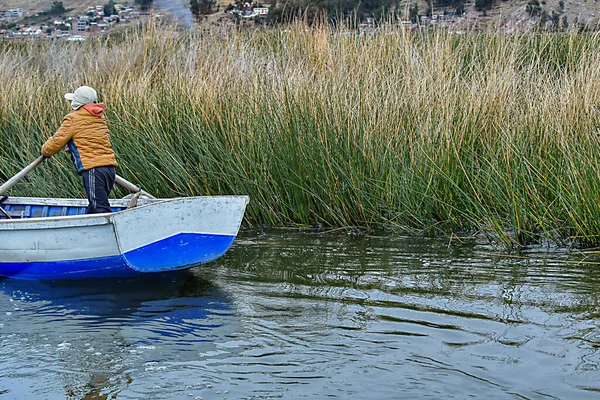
[(435, 133)]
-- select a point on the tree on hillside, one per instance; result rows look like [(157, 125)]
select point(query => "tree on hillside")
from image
[(413, 13), (533, 8), (459, 5), (482, 5), (308, 9), (445, 3), (144, 4), (555, 20), (109, 9), (202, 7), (375, 8), (195, 8), (333, 9), (565, 23), (57, 8)]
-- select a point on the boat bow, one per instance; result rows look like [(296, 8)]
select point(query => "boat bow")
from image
[(178, 233)]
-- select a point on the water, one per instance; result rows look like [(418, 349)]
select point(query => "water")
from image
[(309, 316)]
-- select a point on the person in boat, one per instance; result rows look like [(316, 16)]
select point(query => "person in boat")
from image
[(84, 134)]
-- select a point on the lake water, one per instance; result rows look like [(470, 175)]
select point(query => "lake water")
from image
[(296, 315)]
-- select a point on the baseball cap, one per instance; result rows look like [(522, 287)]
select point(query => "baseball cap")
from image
[(82, 95)]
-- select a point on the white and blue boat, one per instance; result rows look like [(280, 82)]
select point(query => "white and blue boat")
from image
[(49, 239)]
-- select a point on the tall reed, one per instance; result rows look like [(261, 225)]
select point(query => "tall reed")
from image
[(435, 132)]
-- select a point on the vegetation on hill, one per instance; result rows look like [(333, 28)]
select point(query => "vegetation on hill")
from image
[(145, 4), (32, 7), (503, 15), (334, 9), (57, 9)]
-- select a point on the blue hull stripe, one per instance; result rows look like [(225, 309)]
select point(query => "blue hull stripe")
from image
[(104, 267), (177, 252)]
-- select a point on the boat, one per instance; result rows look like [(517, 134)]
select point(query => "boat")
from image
[(51, 239)]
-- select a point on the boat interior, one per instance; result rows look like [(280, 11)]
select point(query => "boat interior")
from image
[(35, 207)]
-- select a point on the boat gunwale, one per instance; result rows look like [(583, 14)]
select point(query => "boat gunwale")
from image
[(70, 221), (69, 202)]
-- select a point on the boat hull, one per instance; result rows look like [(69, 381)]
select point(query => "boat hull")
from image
[(162, 236), (106, 267)]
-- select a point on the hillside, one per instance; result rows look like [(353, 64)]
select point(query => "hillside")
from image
[(31, 7), (506, 15), (512, 15)]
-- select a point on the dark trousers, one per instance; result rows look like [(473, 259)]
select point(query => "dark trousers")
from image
[(98, 183)]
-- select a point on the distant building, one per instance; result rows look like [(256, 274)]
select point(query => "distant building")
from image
[(15, 13), (261, 10), (9, 15), (80, 26), (92, 23)]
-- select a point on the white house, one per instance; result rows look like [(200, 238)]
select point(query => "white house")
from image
[(261, 10)]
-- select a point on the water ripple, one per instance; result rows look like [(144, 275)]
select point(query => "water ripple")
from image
[(290, 315)]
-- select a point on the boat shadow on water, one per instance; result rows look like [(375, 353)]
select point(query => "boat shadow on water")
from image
[(103, 329)]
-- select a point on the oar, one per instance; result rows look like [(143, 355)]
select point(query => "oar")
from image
[(118, 179), (131, 187), (2, 210), (12, 181)]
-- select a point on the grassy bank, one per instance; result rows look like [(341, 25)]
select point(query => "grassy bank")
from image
[(437, 133)]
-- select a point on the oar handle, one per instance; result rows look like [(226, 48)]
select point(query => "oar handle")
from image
[(131, 187), (12, 181), (118, 179)]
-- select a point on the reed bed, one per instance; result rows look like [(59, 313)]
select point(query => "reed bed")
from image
[(434, 133)]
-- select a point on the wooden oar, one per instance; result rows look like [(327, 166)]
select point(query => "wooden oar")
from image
[(2, 210), (12, 181), (131, 187), (118, 179)]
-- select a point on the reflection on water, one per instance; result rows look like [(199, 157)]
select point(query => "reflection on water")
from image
[(84, 339), (303, 315)]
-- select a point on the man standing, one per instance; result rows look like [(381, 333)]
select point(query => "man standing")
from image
[(87, 138)]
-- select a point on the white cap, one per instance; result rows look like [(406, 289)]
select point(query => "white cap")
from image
[(82, 96)]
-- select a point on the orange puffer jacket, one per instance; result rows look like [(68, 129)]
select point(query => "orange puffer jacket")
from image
[(85, 132)]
